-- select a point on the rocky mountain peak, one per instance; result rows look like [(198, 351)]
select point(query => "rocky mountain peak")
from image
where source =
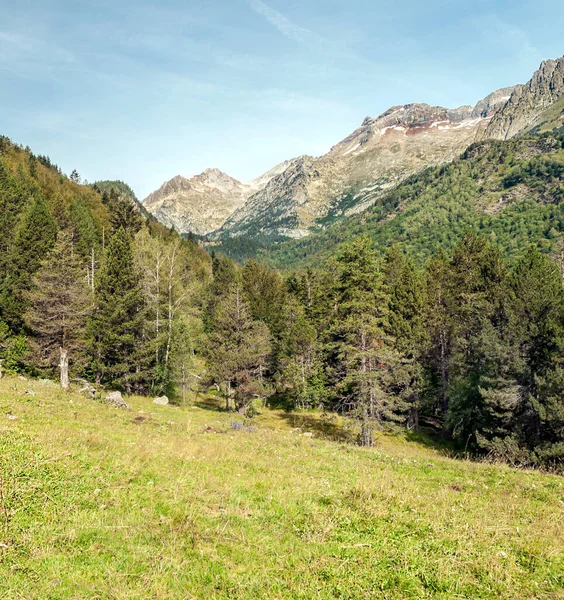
[(528, 102), (305, 193), (493, 102)]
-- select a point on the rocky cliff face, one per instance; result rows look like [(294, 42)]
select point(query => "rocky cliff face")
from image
[(306, 193), (528, 103)]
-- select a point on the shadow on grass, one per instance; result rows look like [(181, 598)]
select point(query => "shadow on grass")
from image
[(325, 427), (433, 440), (214, 403)]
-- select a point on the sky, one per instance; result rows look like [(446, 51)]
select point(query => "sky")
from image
[(142, 91)]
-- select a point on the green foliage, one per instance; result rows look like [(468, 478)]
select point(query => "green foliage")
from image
[(59, 303), (33, 239), (440, 316), (509, 191), (13, 349), (239, 350), (116, 326)]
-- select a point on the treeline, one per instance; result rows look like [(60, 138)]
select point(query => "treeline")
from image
[(469, 344), (89, 289)]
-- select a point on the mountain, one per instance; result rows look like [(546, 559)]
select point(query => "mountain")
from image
[(307, 194), (530, 105), (203, 203), (511, 191), (378, 155)]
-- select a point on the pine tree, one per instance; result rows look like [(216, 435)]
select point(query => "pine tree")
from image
[(238, 351), (477, 313), (405, 288), (124, 214), (265, 293), (439, 322), (116, 326), (224, 276), (537, 320), (12, 201), (59, 304), (368, 367), (300, 373), (34, 237)]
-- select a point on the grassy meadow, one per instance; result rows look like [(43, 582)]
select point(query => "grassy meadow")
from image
[(168, 502)]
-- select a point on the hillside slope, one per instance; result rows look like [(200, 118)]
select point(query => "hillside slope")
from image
[(164, 502), (511, 191), (25, 177)]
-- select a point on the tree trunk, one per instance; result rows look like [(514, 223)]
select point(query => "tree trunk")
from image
[(64, 368), (444, 373), (227, 395)]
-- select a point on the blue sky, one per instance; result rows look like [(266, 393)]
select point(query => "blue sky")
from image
[(142, 91)]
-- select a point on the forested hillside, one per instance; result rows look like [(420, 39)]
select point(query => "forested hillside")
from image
[(509, 191), (121, 191), (87, 283), (468, 344)]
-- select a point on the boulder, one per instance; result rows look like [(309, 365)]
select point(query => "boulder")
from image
[(162, 401), (116, 399)]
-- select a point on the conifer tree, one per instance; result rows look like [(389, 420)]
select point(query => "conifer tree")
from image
[(33, 239), (124, 214), (477, 315), (406, 325), (265, 293), (368, 366), (239, 350), (224, 276), (439, 322), (537, 319), (116, 326), (12, 200), (59, 304), (300, 373)]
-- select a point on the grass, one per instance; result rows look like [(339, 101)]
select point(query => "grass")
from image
[(165, 502)]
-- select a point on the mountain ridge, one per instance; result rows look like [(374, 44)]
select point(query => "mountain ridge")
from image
[(308, 193)]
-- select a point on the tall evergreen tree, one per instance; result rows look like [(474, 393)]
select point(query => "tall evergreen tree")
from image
[(34, 237), (239, 350), (367, 365), (12, 201), (124, 214), (300, 373), (406, 325), (59, 304), (224, 276), (439, 322), (537, 318), (116, 326)]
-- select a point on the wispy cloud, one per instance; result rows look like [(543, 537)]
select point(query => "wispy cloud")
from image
[(517, 40), (284, 25), (32, 58)]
